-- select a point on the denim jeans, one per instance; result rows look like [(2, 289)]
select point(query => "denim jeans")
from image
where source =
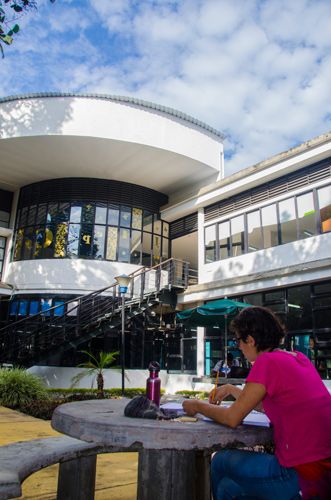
[(251, 475)]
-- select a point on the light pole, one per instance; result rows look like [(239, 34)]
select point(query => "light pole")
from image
[(123, 282)]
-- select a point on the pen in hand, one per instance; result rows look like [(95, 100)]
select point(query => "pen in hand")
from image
[(215, 387)]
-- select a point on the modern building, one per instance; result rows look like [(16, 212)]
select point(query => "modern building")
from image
[(93, 187)]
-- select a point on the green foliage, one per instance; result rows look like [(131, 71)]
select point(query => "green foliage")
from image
[(10, 12), (95, 366), (41, 409), (194, 394), (80, 394), (18, 387)]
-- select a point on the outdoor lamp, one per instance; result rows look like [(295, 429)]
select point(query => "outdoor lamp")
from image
[(123, 282)]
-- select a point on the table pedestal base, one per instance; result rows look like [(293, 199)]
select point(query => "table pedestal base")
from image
[(173, 475)]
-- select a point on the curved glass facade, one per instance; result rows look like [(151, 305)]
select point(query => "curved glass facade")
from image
[(91, 230)]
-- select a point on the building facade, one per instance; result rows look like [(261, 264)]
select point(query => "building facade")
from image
[(92, 187)]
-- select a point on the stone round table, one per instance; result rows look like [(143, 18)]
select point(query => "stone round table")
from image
[(174, 456)]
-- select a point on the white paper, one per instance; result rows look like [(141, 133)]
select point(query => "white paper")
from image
[(253, 418)]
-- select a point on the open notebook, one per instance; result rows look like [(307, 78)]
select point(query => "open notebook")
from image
[(253, 418)]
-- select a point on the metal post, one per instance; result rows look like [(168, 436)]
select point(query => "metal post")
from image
[(123, 343)]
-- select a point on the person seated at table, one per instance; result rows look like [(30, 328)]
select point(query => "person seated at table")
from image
[(220, 366), (292, 394)]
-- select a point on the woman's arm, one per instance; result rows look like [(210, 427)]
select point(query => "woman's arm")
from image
[(247, 400)]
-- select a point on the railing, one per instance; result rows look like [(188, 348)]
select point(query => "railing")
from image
[(39, 333)]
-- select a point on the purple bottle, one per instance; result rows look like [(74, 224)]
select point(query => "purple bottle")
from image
[(153, 383)]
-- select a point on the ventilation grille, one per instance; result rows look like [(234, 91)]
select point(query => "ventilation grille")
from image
[(285, 184), (183, 226), (85, 189)]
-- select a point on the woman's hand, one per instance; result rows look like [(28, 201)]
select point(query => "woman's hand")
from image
[(191, 406), (216, 397)]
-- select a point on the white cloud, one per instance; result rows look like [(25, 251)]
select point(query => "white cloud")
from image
[(258, 70)]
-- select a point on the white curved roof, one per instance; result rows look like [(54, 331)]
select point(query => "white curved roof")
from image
[(53, 135)]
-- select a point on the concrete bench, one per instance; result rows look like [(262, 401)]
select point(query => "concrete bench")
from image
[(77, 460)]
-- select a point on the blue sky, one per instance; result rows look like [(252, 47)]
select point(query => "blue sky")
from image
[(257, 70)]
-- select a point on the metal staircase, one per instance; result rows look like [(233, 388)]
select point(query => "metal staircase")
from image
[(39, 337)]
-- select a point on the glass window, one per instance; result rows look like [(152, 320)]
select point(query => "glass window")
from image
[(147, 249), (306, 215), (99, 241), (52, 212), (135, 247), (111, 243), (254, 231), (13, 308), (322, 318), (63, 213), (269, 226), (165, 249), (324, 203), (23, 308), (86, 240), (165, 229), (101, 214), (34, 307), (4, 218), (88, 213), (137, 218), (41, 214), (156, 249), (38, 243), (224, 239), (113, 215), (49, 242), (61, 240), (32, 215), (299, 308), (23, 217), (125, 218), (59, 307), (45, 305), (124, 245), (255, 299), (18, 244), (2, 242), (288, 220), (147, 221), (73, 240), (28, 241), (210, 244), (237, 235), (320, 288), (157, 227), (75, 213)]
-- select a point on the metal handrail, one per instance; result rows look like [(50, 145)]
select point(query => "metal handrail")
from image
[(43, 324)]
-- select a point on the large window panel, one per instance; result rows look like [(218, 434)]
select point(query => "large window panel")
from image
[(101, 214), (156, 249), (28, 242), (148, 221), (147, 249), (306, 215), (254, 231), (112, 236), (237, 235), (135, 257), (324, 203), (270, 226), (288, 220), (124, 245), (299, 308), (125, 217), (137, 218), (113, 215), (73, 240), (4, 218), (49, 241), (86, 240), (224, 239), (61, 240), (75, 213), (210, 244), (165, 248), (99, 240), (19, 244)]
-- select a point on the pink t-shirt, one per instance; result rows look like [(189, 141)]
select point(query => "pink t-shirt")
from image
[(298, 405)]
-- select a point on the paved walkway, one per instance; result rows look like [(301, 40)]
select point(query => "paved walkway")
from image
[(116, 472)]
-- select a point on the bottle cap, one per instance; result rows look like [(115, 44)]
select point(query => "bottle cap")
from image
[(154, 366)]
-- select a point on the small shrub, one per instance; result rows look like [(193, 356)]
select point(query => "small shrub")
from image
[(194, 394), (41, 409), (91, 393), (18, 387)]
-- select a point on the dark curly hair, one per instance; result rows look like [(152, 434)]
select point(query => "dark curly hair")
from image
[(262, 324)]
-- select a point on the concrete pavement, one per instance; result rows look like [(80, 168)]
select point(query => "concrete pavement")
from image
[(116, 472)]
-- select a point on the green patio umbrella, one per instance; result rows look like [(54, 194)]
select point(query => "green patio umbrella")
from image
[(214, 313)]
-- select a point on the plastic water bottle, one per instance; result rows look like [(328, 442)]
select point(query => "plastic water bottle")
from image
[(153, 383)]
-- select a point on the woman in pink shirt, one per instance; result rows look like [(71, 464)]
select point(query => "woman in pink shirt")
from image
[(290, 391)]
